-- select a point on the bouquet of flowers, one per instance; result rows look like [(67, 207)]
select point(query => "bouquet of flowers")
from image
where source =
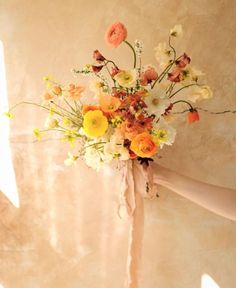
[(131, 113)]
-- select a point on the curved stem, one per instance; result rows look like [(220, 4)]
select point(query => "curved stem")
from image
[(173, 49), (182, 89), (132, 48), (183, 101)]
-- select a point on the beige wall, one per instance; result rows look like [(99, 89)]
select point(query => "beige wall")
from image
[(66, 232)]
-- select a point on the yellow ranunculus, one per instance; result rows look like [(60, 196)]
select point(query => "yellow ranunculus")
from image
[(126, 78), (95, 123)]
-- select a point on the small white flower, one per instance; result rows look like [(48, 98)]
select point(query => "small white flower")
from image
[(116, 148), (98, 87), (50, 123), (156, 103), (163, 54), (95, 158), (191, 73), (198, 93), (138, 47), (167, 130), (71, 160), (177, 31)]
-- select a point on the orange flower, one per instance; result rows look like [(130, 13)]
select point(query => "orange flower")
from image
[(193, 116), (87, 108), (48, 96), (75, 91), (143, 145), (109, 104), (57, 90), (116, 34)]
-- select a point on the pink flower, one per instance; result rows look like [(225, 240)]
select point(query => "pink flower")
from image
[(148, 76), (98, 56), (175, 75), (183, 61), (116, 34)]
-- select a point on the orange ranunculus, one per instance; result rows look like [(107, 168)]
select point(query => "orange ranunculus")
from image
[(116, 34), (143, 145), (193, 116), (87, 108), (109, 104), (75, 91)]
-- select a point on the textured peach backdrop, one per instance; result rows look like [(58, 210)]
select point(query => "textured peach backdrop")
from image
[(66, 233)]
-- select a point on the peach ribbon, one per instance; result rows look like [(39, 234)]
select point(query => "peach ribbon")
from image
[(137, 184)]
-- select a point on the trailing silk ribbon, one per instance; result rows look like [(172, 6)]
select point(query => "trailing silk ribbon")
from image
[(137, 183)]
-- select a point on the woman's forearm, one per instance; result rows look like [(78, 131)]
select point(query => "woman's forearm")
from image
[(217, 199)]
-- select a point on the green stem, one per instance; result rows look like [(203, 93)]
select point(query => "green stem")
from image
[(195, 84), (183, 101), (162, 75), (132, 48), (173, 49)]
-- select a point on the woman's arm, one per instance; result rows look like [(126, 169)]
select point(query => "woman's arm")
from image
[(220, 200)]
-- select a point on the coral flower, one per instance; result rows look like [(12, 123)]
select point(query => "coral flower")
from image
[(87, 108), (48, 96), (116, 34), (109, 104), (75, 91), (57, 90), (193, 116), (95, 124), (143, 145), (148, 76)]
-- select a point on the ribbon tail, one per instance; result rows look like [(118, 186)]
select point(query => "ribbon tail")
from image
[(135, 243), (135, 237)]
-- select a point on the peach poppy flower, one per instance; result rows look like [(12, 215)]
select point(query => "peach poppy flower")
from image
[(87, 108), (57, 90), (116, 34), (193, 116), (109, 104), (143, 145), (48, 96), (75, 91)]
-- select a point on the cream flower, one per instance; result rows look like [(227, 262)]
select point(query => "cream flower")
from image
[(97, 87), (71, 160), (177, 31), (163, 54), (191, 73), (116, 148), (198, 93), (95, 158), (164, 133), (126, 78), (156, 103), (50, 123)]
